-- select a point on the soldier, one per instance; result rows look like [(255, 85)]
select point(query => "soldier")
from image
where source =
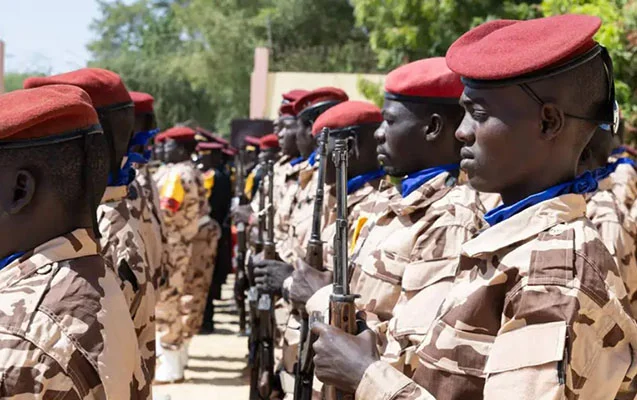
[(123, 215), (608, 212), (537, 309), (155, 237), (180, 191), (66, 331)]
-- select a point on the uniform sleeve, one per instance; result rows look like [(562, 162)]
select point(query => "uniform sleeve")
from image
[(382, 382)]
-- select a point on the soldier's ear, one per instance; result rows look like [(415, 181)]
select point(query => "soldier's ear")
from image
[(434, 128), (23, 191)]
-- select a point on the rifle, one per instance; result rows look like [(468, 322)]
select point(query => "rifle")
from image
[(342, 308), (242, 247), (265, 306), (304, 370), (254, 343)]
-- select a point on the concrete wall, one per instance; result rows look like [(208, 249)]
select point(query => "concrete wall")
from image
[(1, 66), (282, 82)]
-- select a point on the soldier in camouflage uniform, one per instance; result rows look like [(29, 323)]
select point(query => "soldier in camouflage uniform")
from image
[(123, 214), (65, 327), (180, 191), (538, 309)]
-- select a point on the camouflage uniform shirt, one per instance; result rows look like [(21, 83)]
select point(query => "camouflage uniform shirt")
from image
[(64, 326), (534, 313)]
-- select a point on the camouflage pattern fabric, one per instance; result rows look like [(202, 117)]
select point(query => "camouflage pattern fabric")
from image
[(393, 240), (123, 218), (618, 230), (179, 186), (624, 184), (538, 311), (286, 185), (65, 328), (158, 251)]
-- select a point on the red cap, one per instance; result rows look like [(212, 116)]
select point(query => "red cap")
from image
[(504, 49), (45, 112), (201, 146), (105, 87), (270, 141), (294, 95), (287, 110), (423, 79), (348, 114), (253, 140), (319, 95), (231, 151), (178, 133), (143, 102)]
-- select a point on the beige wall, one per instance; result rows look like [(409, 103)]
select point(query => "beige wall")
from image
[(282, 82)]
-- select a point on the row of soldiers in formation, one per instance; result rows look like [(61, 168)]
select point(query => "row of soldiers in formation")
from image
[(107, 259), (481, 244)]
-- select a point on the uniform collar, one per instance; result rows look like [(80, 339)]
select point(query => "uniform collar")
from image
[(114, 193), (416, 179), (76, 244), (296, 161), (527, 224), (423, 196)]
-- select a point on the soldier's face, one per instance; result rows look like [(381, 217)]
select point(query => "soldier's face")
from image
[(502, 139), (402, 148), (287, 136), (173, 152), (305, 141)]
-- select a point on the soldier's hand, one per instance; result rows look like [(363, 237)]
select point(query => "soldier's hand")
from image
[(270, 274), (306, 281), (341, 359)]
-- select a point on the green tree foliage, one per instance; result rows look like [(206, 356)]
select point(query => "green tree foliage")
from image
[(206, 49), (13, 80)]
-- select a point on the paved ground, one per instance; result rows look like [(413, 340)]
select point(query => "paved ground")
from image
[(216, 365)]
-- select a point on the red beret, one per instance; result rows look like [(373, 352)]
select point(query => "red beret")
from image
[(294, 95), (209, 146), (504, 49), (45, 112), (253, 140), (143, 102), (178, 133), (348, 114), (105, 87), (287, 110), (319, 95), (270, 141), (422, 80), (231, 151)]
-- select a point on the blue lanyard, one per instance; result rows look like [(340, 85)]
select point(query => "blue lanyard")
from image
[(618, 150), (604, 172), (585, 183), (9, 259), (296, 161), (312, 158), (415, 180), (357, 182)]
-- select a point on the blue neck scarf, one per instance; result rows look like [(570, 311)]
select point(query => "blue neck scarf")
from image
[(415, 180), (604, 172), (357, 182), (585, 183), (141, 139), (618, 150), (312, 158), (296, 161), (9, 259), (126, 174)]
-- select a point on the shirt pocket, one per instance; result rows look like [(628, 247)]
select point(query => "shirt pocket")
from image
[(379, 282), (425, 285), (528, 361)]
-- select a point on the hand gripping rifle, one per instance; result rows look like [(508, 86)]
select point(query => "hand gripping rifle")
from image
[(342, 308), (265, 307), (304, 371), (242, 247)]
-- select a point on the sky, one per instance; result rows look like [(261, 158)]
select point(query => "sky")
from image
[(46, 35)]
